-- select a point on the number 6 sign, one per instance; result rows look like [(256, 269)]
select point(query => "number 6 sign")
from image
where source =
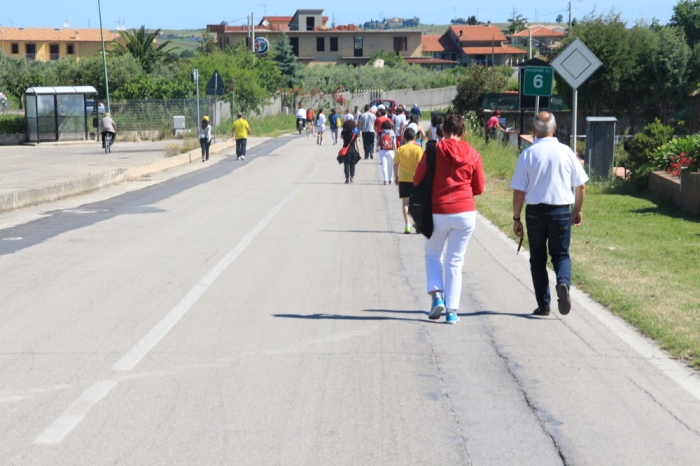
[(538, 81)]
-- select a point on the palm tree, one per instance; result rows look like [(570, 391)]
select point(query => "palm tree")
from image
[(140, 43)]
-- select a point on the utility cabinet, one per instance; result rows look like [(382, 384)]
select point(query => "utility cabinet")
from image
[(600, 146)]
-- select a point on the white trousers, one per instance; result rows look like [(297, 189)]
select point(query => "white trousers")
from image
[(446, 275), (387, 158)]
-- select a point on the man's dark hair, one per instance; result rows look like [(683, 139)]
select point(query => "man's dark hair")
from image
[(436, 120), (386, 125), (367, 108), (409, 134), (381, 112), (454, 125)]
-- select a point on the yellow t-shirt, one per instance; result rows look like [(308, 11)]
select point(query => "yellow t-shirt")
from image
[(240, 129), (408, 156)]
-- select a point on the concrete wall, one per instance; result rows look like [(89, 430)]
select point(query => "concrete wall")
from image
[(12, 139), (429, 99), (685, 191)]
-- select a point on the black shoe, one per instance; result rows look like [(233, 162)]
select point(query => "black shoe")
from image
[(366, 157), (371, 157), (564, 301), (540, 312)]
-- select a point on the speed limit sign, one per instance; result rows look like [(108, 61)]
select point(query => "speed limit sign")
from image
[(538, 81)]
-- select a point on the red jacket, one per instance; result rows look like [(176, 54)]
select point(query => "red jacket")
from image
[(459, 176), (378, 123)]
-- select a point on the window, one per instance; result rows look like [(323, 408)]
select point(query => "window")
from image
[(358, 47), (15, 49), (400, 44), (334, 44), (70, 49), (294, 42), (320, 44), (310, 23), (30, 50), (53, 51)]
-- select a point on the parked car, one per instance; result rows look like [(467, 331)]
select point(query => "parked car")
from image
[(387, 103), (4, 102), (90, 107)]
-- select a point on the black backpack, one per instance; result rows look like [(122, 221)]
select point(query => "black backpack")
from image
[(420, 203)]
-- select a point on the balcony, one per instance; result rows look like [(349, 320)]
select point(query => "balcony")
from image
[(31, 56), (54, 56)]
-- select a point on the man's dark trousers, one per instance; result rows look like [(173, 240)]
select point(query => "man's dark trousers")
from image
[(368, 143), (240, 146), (548, 226)]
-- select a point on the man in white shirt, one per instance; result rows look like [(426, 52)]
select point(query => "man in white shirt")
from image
[(544, 177), (399, 125), (301, 116), (366, 127), (348, 116)]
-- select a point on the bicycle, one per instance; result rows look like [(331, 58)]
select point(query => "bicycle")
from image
[(300, 125), (108, 143), (309, 129)]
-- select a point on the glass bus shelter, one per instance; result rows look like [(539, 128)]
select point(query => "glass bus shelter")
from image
[(57, 113)]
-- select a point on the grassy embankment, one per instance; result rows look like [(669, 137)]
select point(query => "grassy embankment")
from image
[(637, 255)]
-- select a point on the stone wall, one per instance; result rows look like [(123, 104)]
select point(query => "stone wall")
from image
[(685, 191)]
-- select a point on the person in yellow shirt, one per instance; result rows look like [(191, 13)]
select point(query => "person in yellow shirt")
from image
[(240, 133), (405, 163)]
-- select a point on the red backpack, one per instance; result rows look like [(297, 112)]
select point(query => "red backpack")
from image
[(386, 142)]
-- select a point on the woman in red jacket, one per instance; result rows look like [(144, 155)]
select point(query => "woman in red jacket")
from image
[(459, 176)]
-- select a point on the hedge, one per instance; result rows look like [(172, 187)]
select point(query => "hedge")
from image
[(11, 124)]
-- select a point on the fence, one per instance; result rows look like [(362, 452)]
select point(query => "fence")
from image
[(157, 114)]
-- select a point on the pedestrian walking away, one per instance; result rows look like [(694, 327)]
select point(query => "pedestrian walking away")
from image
[(458, 178), (310, 116), (366, 126), (205, 138), (107, 125), (435, 123), (399, 125), (387, 147), (414, 124), (356, 113), (544, 177), (416, 111), (333, 120), (320, 126), (240, 133), (407, 158), (349, 116), (352, 156)]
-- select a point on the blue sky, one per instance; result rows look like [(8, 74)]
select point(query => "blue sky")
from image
[(179, 14)]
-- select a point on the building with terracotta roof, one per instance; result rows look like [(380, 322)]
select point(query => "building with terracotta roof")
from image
[(544, 40), (472, 45), (45, 44)]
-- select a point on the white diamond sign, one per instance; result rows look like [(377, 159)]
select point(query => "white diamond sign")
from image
[(576, 63)]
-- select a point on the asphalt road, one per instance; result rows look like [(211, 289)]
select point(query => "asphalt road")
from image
[(263, 312)]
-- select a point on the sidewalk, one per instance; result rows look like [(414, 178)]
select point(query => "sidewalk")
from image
[(31, 175)]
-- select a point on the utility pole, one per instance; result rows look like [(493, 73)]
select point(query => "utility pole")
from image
[(569, 18), (252, 31), (529, 40), (104, 58)]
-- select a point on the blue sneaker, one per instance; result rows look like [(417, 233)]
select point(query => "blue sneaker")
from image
[(452, 317), (437, 307)]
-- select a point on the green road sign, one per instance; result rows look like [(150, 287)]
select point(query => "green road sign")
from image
[(538, 81)]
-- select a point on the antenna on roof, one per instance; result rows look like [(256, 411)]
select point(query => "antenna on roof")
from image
[(65, 24)]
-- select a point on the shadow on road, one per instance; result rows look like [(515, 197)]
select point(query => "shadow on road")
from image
[(494, 313), (362, 231), (343, 317)]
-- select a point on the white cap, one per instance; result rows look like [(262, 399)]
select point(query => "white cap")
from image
[(374, 108), (381, 107)]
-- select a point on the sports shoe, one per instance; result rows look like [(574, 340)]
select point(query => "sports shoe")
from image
[(407, 230), (540, 312), (242, 157), (564, 300), (347, 180), (452, 317), (437, 307), (352, 179)]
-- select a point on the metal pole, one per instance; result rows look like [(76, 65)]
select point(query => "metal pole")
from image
[(574, 118), (104, 58), (569, 18), (252, 31), (216, 85), (196, 80), (537, 105), (529, 36)]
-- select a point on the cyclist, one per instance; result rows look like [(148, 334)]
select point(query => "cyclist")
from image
[(301, 118), (107, 125), (310, 117)]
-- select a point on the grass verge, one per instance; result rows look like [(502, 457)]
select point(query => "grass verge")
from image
[(637, 255), (269, 126)]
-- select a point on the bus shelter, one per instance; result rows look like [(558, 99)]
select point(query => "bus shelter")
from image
[(57, 113)]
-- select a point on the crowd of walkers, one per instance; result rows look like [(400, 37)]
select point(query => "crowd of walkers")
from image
[(549, 179)]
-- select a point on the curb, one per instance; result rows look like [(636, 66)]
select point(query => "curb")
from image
[(20, 199)]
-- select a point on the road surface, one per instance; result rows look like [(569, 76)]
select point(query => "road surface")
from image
[(263, 312)]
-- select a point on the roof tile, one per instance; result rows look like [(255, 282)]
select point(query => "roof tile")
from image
[(478, 33), (56, 35)]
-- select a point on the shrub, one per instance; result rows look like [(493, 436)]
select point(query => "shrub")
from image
[(678, 154), (11, 124), (478, 80), (645, 143)]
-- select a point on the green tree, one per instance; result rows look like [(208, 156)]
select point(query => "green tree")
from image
[(670, 66), (16, 76), (686, 15), (147, 86), (208, 45), (478, 80), (391, 59), (141, 44), (286, 61), (516, 23)]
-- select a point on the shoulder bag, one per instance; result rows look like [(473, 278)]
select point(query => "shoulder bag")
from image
[(344, 151), (420, 203)]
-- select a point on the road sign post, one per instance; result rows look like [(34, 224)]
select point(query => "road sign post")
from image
[(232, 88), (215, 87), (195, 75), (575, 64)]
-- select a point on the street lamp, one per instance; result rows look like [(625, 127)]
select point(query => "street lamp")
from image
[(104, 56)]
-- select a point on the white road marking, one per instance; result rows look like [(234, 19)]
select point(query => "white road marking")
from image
[(148, 342), (67, 421), (674, 370), (19, 238)]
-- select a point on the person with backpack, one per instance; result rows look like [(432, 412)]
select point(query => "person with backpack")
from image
[(333, 121), (387, 146), (405, 163), (457, 179), (352, 155)]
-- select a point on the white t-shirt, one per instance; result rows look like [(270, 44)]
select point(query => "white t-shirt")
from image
[(547, 171), (433, 133), (301, 114), (399, 123), (348, 116), (414, 127), (321, 120)]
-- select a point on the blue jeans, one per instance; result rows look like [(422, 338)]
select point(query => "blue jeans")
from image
[(240, 146), (548, 225)]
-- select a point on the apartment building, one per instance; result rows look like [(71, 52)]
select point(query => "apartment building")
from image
[(46, 44), (544, 39), (473, 45)]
